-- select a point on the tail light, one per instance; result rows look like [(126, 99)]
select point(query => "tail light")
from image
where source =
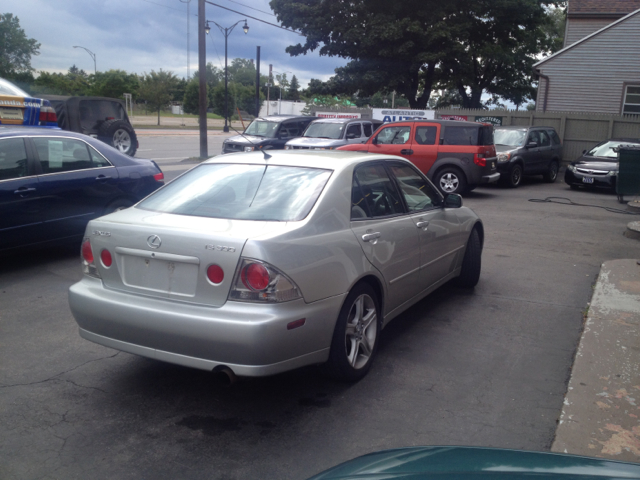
[(158, 177), (47, 115), (479, 160), (257, 281), (215, 274), (106, 258), (88, 262)]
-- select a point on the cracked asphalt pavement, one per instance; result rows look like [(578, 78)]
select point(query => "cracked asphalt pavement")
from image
[(488, 367)]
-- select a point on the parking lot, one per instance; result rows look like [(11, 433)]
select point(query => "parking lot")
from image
[(487, 367)]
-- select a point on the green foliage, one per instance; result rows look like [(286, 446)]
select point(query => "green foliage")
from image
[(241, 71), (114, 84), (191, 99), (241, 97), (213, 75), (74, 82), (156, 89), (15, 48), (294, 89)]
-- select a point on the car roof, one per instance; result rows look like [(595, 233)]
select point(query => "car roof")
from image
[(340, 120), (336, 160), (282, 118), (446, 123), (522, 127), (35, 131)]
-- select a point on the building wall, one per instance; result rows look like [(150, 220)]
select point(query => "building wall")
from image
[(590, 76), (578, 28)]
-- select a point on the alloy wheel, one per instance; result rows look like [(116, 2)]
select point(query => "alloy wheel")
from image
[(361, 331)]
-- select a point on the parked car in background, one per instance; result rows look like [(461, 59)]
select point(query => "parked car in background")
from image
[(100, 117), (452, 462), (456, 156), (331, 133), (527, 151), (53, 182), (598, 167), (255, 264), (17, 107), (271, 132)]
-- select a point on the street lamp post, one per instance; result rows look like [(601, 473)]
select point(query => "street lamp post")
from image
[(280, 88), (93, 55), (226, 32)]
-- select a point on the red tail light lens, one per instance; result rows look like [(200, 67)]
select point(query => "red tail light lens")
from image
[(87, 253), (48, 114), (159, 177), (479, 160), (255, 276), (215, 274), (106, 258)]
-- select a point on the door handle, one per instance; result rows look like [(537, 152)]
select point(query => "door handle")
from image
[(367, 237), (405, 151), (422, 224), (102, 177), (23, 190)]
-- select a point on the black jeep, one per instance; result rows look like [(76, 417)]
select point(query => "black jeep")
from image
[(100, 117)]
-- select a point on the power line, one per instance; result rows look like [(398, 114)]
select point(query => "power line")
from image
[(162, 5), (253, 18), (252, 8)]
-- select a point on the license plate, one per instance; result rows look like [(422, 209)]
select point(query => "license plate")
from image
[(587, 179), (160, 275), (11, 113), (493, 165)]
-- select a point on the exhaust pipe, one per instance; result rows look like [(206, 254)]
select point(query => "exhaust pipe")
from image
[(225, 375)]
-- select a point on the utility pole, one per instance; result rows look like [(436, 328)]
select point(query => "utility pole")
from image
[(202, 73), (257, 81)]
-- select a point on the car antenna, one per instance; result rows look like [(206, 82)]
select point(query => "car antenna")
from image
[(266, 155)]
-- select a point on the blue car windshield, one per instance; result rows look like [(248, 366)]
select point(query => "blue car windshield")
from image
[(608, 149), (262, 128), (242, 192)]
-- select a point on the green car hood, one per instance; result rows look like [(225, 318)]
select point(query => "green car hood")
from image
[(453, 463)]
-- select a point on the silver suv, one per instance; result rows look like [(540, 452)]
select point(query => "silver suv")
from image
[(330, 133), (527, 151)]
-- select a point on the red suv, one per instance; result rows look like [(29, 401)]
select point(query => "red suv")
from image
[(456, 156)]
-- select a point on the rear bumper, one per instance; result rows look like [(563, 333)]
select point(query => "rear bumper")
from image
[(251, 339), (494, 177)]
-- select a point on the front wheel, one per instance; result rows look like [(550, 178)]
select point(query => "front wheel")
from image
[(514, 177), (355, 338), (451, 180), (551, 174), (472, 262)]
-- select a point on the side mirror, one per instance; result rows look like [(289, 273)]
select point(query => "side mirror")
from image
[(584, 151), (351, 136), (452, 200), (374, 140), (532, 145)]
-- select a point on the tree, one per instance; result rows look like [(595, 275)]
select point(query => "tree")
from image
[(156, 89), (411, 46), (191, 98), (114, 84), (294, 90), (242, 71), (74, 82), (15, 48), (213, 75)]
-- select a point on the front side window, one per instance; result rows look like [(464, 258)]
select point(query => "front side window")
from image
[(66, 154), (13, 159), (262, 128), (242, 192), (631, 103), (394, 135), (545, 141), (354, 131), (418, 193), (374, 193)]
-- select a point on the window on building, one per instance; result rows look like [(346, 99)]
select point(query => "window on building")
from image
[(631, 105)]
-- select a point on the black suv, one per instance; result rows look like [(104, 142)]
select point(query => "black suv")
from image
[(267, 133), (527, 151)]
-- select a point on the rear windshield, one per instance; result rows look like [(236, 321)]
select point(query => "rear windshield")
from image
[(468, 135), (324, 130), (242, 192)]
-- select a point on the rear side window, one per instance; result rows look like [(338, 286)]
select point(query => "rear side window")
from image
[(426, 135), (545, 141), (374, 194), (66, 154), (13, 158), (471, 135), (368, 130), (242, 192), (554, 136)]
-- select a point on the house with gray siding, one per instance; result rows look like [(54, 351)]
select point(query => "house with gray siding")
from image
[(598, 73), (585, 17)]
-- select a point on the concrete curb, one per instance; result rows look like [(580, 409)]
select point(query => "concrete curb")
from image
[(601, 413)]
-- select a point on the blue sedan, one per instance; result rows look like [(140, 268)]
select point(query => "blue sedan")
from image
[(52, 182)]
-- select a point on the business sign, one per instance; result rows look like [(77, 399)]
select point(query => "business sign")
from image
[(394, 115), (458, 118), (337, 115), (495, 121)]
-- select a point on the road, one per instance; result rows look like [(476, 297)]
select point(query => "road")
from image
[(488, 367)]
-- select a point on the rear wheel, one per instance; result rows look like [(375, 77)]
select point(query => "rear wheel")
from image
[(551, 174), (120, 135), (451, 180), (472, 262), (117, 205), (355, 338)]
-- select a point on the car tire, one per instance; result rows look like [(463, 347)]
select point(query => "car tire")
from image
[(451, 180), (117, 205), (120, 135), (472, 262), (551, 174), (514, 177), (356, 334)]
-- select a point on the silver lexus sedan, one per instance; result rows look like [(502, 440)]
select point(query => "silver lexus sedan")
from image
[(255, 263)]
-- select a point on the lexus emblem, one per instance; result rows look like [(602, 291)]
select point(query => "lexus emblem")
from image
[(154, 241)]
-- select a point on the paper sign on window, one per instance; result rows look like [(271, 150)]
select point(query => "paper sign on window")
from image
[(55, 154)]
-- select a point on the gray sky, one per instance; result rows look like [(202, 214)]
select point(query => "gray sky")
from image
[(143, 35)]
